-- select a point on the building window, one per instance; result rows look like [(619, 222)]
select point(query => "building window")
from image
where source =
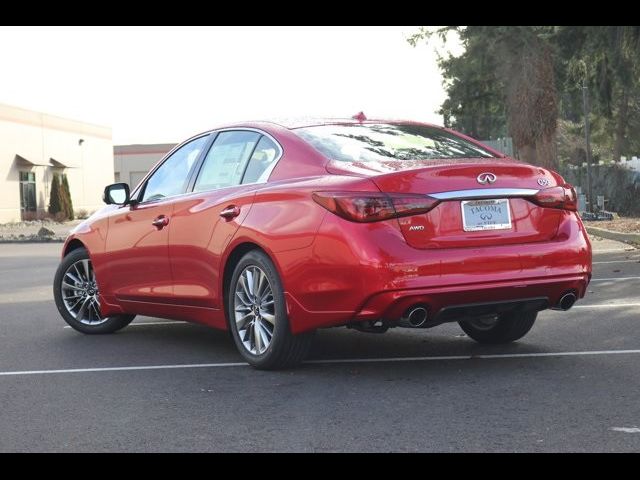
[(27, 193)]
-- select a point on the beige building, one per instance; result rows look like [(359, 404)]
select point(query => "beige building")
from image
[(132, 162), (34, 146)]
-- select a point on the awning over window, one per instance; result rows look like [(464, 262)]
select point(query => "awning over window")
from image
[(58, 164), (20, 160)]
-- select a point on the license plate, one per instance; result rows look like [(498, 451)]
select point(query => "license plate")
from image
[(486, 215)]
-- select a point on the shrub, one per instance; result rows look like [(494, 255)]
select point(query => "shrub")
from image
[(82, 214)]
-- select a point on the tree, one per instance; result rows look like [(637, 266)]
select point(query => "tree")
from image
[(508, 72), (64, 204), (606, 58), (66, 194), (475, 101), (524, 80), (55, 201)]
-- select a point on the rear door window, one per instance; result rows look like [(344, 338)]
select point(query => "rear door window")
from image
[(226, 160), (262, 161)]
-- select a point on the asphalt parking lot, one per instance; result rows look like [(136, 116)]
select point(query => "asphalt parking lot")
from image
[(572, 384)]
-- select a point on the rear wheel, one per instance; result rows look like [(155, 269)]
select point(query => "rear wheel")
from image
[(257, 315), (503, 328), (75, 291)]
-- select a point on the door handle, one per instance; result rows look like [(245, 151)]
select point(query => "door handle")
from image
[(230, 212), (160, 222)]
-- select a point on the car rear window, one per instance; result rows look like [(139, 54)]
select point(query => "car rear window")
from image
[(383, 142)]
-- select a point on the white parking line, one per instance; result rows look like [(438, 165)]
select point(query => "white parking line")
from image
[(150, 323), (473, 357), (118, 369), (608, 305), (617, 261), (604, 305), (626, 429), (333, 361), (614, 250), (614, 279)]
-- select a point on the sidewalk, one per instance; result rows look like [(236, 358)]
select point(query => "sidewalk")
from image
[(632, 239), (601, 244)]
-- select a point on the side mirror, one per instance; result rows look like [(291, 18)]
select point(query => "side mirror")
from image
[(116, 194)]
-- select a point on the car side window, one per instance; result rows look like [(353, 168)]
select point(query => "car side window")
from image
[(264, 155), (226, 160), (172, 177)]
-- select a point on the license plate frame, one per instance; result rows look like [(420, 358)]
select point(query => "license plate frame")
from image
[(472, 221)]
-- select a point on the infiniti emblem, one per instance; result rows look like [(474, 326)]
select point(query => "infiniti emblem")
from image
[(543, 182), (486, 177)]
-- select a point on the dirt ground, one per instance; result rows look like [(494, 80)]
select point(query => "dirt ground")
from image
[(624, 225), (29, 229)]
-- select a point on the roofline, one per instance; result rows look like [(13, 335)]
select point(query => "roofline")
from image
[(141, 149), (369, 121), (315, 122), (12, 113)]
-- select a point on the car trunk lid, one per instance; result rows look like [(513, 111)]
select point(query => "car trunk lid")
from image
[(493, 193)]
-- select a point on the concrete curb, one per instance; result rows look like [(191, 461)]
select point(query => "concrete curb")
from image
[(630, 238), (33, 240)]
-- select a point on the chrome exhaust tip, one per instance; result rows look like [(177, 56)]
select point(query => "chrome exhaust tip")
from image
[(566, 301), (414, 317)]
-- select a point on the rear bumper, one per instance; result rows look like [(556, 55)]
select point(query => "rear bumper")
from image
[(392, 305), (441, 302), (359, 272)]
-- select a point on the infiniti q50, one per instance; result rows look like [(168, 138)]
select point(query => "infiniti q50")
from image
[(274, 231)]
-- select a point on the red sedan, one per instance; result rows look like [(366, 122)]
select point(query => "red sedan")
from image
[(274, 231)]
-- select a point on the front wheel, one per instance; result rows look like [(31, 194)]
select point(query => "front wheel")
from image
[(257, 316), (75, 291), (503, 328)]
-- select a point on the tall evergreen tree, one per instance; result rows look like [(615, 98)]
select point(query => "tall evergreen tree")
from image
[(66, 193), (55, 201)]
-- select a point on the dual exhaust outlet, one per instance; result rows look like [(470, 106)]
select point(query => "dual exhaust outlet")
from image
[(417, 315)]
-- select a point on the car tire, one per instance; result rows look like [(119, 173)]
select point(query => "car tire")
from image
[(76, 271), (257, 316), (508, 327)]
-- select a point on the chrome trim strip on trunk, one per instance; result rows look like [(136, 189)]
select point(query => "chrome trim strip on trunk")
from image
[(484, 193)]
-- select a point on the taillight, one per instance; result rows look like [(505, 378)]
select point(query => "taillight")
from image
[(372, 207), (564, 197)]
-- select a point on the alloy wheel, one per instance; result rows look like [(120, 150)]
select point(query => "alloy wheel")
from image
[(254, 310), (80, 293)]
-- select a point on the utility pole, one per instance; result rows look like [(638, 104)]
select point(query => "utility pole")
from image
[(585, 100)]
